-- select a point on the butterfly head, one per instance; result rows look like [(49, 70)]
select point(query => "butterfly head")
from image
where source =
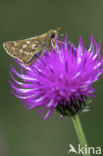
[(53, 34)]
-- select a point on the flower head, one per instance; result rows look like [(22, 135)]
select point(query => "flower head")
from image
[(59, 80)]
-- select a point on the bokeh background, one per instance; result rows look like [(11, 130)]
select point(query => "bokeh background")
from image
[(22, 132)]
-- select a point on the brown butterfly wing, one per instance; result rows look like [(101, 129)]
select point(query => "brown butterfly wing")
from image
[(23, 50), (26, 50)]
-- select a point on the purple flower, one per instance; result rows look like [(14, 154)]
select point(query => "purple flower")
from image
[(60, 80)]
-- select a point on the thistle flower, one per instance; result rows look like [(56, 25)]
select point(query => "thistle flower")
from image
[(59, 80)]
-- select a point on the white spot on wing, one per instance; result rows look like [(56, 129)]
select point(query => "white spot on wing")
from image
[(21, 50), (24, 45), (28, 42), (25, 52), (15, 43), (36, 42), (30, 53), (33, 46)]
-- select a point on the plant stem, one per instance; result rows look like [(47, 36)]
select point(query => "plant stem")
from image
[(79, 132)]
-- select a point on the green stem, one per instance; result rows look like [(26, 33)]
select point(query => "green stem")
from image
[(79, 132)]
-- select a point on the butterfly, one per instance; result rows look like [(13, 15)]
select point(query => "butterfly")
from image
[(28, 50)]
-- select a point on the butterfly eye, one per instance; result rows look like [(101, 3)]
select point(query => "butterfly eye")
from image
[(52, 35)]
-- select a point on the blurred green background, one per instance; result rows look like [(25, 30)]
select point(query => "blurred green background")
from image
[(22, 132)]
